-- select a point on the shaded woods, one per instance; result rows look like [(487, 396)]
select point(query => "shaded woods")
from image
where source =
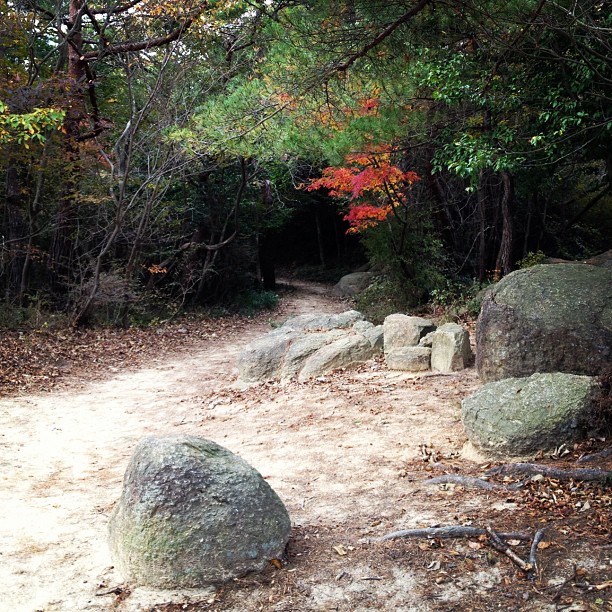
[(154, 156)]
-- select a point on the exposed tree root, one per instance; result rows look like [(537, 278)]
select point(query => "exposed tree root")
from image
[(606, 452), (464, 481), (469, 482), (453, 531), (537, 538), (496, 540), (532, 469)]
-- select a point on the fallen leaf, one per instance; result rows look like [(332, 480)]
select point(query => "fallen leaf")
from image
[(340, 550)]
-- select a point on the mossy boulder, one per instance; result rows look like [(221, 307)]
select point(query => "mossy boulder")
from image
[(517, 417), (548, 318), (193, 514)]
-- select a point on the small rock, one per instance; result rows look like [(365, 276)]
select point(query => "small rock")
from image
[(409, 359)]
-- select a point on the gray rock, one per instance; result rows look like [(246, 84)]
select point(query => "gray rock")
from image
[(323, 322), (450, 348), (193, 514), (401, 331), (518, 417), (346, 351), (427, 339), (409, 358), (304, 346), (262, 359), (307, 344), (353, 284), (374, 333), (548, 318)]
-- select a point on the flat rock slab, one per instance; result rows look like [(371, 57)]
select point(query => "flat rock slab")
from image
[(310, 345), (409, 358), (193, 514)]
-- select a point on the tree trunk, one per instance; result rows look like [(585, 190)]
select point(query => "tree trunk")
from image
[(61, 254), (16, 231), (482, 220), (322, 258), (504, 255)]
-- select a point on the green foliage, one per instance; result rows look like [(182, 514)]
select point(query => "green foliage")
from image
[(384, 296), (36, 315), (248, 303), (22, 128), (463, 93), (458, 299), (252, 302), (531, 259), (418, 267)]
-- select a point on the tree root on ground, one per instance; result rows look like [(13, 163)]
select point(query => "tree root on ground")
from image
[(606, 452), (496, 540), (470, 482), (533, 469)]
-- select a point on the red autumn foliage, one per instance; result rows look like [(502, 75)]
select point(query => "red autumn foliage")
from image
[(367, 175)]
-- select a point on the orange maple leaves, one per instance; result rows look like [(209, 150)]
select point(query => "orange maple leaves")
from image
[(373, 186)]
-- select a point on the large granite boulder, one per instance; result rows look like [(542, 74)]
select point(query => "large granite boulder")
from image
[(193, 514), (310, 345), (353, 284), (548, 318), (518, 417), (323, 322), (263, 358), (345, 351)]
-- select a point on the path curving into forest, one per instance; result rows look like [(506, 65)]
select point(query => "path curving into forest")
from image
[(331, 448)]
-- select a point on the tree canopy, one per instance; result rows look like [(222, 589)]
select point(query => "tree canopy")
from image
[(158, 149)]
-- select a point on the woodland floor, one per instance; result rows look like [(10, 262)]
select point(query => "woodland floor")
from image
[(348, 453)]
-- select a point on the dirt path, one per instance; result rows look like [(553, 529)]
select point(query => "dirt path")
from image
[(340, 451)]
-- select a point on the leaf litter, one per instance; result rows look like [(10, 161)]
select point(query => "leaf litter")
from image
[(349, 453)]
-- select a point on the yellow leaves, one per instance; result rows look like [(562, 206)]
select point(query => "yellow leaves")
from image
[(156, 269)]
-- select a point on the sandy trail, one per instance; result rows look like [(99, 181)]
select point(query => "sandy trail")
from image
[(331, 448)]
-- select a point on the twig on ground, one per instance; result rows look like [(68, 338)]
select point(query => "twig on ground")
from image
[(606, 452), (502, 547), (537, 538), (532, 469), (116, 590)]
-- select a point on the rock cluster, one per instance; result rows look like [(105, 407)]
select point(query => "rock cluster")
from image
[(415, 344), (308, 346), (543, 335)]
